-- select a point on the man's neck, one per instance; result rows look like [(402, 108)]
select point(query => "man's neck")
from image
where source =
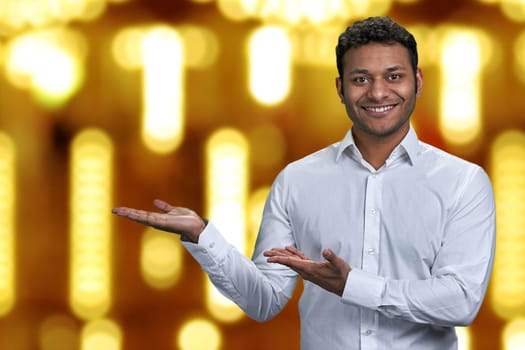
[(376, 149)]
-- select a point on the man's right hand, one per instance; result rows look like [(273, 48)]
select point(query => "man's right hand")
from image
[(178, 220)]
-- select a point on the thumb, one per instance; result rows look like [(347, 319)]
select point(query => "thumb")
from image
[(329, 255)]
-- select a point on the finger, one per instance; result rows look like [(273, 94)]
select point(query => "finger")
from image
[(122, 211), (297, 252), (140, 216), (162, 205), (278, 252)]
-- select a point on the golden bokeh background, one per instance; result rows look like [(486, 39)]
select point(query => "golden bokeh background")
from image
[(202, 102)]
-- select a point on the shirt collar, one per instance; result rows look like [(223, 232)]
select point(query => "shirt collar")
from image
[(409, 145)]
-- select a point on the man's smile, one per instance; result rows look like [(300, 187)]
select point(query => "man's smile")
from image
[(379, 109)]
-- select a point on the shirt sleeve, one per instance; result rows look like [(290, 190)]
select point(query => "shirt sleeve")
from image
[(259, 288), (459, 275)]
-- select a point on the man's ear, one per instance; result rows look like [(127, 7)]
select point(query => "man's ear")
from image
[(419, 82), (340, 89)]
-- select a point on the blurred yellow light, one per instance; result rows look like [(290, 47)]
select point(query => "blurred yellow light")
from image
[(16, 15), (255, 209), (227, 160), (59, 332), (519, 56), (314, 12), (199, 334), (101, 334), (269, 55), (302, 12), (314, 47), (233, 9), (126, 47), (461, 64), (56, 73), (426, 44), (464, 338), (513, 9), (362, 8), (163, 97), (90, 232), (160, 258), (508, 177), (7, 223), (201, 46), (514, 334)]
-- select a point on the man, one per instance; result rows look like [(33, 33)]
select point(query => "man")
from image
[(393, 237)]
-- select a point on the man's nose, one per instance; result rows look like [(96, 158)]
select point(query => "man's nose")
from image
[(378, 90)]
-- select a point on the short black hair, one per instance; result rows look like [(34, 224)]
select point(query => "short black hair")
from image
[(380, 29)]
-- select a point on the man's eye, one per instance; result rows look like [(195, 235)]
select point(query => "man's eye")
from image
[(360, 80), (394, 77)]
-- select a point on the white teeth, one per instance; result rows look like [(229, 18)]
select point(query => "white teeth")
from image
[(380, 109)]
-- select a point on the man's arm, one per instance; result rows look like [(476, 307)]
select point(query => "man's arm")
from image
[(261, 289)]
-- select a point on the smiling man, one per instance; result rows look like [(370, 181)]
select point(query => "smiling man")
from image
[(393, 238)]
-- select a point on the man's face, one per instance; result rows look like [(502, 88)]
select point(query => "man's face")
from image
[(379, 89)]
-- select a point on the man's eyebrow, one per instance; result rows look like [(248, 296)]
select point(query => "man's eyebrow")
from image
[(394, 68), (359, 71), (366, 71)]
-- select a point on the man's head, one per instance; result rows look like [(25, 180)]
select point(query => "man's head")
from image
[(375, 30), (378, 80)]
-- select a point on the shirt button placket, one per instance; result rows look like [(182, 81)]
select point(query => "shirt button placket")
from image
[(370, 253)]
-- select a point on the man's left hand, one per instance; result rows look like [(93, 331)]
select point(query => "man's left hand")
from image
[(330, 274)]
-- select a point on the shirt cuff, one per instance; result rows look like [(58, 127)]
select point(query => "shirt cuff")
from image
[(363, 289), (211, 249)]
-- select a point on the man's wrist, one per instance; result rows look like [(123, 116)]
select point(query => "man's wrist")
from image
[(194, 238)]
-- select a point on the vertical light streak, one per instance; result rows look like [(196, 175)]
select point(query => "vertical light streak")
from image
[(7, 223), (519, 57), (464, 336), (101, 334), (255, 211), (461, 63), (163, 99), (269, 56), (160, 258), (508, 177), (91, 243), (226, 196)]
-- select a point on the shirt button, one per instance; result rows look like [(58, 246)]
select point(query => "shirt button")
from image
[(368, 332), (211, 245), (371, 251), (204, 251), (372, 211)]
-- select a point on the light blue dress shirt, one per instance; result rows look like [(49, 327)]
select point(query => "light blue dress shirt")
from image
[(419, 234)]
